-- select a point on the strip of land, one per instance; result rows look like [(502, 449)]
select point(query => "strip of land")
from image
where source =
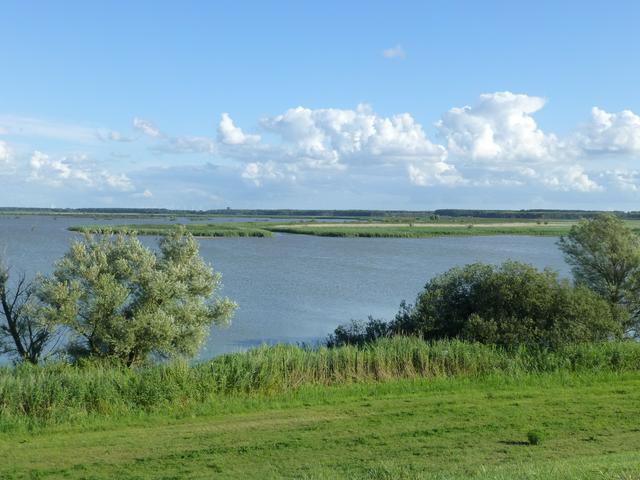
[(429, 429), (334, 229)]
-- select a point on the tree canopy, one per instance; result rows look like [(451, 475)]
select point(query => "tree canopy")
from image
[(123, 301)]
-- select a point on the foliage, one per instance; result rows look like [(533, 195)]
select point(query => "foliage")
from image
[(358, 333), (123, 301), (509, 305), (605, 255)]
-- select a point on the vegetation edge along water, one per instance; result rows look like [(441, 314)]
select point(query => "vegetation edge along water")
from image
[(390, 230)]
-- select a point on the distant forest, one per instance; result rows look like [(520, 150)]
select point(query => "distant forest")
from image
[(450, 213)]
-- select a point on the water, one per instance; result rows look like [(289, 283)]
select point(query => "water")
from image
[(294, 288)]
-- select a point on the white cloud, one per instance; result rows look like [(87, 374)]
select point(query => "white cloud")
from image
[(259, 172), (500, 139), (335, 140), (146, 127), (499, 128), (74, 170), (437, 173), (571, 177), (229, 134), (611, 133), (394, 52)]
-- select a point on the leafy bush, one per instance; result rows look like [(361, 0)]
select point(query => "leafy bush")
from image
[(509, 305)]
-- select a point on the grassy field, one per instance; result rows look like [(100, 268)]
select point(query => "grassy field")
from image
[(398, 408), (453, 428)]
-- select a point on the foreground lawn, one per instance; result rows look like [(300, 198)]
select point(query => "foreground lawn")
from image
[(445, 428)]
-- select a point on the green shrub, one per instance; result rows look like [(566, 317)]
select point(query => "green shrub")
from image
[(509, 305), (535, 437)]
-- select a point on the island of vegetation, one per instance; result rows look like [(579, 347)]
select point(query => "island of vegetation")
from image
[(355, 223), (511, 371)]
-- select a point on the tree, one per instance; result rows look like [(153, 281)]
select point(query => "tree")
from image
[(27, 326), (508, 305), (126, 302), (604, 255)]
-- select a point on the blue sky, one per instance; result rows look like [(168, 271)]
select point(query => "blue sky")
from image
[(408, 105)]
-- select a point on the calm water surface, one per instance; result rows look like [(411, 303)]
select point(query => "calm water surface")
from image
[(295, 287)]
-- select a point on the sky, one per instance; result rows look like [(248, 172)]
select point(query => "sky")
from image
[(329, 105)]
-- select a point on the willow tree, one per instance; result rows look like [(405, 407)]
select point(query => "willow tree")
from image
[(125, 301), (604, 255)]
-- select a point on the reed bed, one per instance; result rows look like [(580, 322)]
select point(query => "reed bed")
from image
[(393, 231), (59, 392), (198, 230)]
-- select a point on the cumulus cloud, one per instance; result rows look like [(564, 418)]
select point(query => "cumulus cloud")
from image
[(229, 134), (394, 52), (500, 136), (146, 127), (259, 172), (611, 133), (570, 177), (339, 140), (74, 170), (493, 145), (499, 128)]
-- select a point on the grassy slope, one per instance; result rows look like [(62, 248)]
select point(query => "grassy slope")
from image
[(448, 428)]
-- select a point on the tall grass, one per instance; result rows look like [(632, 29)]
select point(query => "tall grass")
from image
[(57, 393)]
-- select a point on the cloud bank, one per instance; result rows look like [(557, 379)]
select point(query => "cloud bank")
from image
[(493, 145)]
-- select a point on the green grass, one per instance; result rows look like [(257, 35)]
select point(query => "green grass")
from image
[(447, 428), (399, 408), (57, 394)]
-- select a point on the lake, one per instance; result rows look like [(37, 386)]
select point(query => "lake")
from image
[(294, 288)]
